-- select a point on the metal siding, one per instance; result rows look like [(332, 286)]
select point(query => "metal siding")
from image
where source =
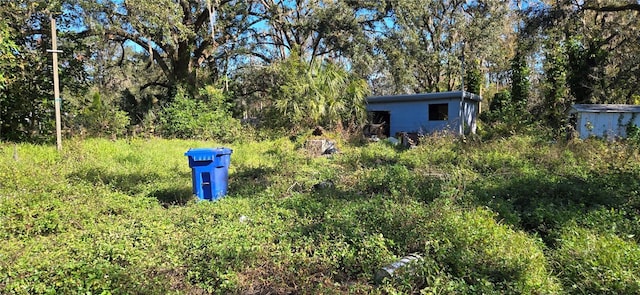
[(432, 126), (606, 125), (407, 116), (470, 113), (580, 125), (413, 116)]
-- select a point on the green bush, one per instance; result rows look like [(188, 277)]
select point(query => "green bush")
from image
[(507, 116), (399, 182), (633, 135), (206, 117), (101, 119), (304, 95), (491, 257), (612, 221), (592, 262)]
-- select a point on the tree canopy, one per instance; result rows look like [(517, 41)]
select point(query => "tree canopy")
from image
[(137, 54)]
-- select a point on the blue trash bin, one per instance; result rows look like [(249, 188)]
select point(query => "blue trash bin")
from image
[(209, 171)]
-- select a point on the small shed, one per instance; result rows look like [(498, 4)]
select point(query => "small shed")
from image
[(604, 120), (425, 112)]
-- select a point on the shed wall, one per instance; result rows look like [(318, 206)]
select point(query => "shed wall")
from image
[(606, 125), (414, 116), (470, 114)]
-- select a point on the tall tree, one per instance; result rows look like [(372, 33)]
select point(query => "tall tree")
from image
[(177, 35), (424, 40), (318, 28), (555, 91), (321, 93), (473, 77), (26, 103), (616, 6), (315, 32), (8, 50), (520, 83), (8, 67), (600, 38)]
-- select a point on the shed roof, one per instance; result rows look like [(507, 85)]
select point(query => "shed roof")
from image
[(423, 97), (605, 108)]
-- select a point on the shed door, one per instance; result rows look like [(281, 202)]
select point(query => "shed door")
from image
[(380, 123)]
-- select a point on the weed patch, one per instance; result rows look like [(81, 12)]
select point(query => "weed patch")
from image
[(510, 216)]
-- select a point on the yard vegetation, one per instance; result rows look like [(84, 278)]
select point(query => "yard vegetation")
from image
[(520, 208), (507, 216)]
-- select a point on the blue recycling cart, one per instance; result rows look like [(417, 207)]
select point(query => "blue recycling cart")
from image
[(209, 171)]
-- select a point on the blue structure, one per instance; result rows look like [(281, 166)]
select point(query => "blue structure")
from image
[(209, 171), (608, 121), (454, 111)]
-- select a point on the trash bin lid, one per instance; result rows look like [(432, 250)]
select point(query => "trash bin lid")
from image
[(207, 154)]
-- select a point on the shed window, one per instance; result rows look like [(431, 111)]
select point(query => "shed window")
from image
[(439, 112)]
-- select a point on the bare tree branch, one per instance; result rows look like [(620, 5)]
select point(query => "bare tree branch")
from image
[(614, 8), (154, 83)]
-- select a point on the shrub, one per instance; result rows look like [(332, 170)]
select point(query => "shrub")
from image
[(398, 181), (597, 263), (507, 116), (611, 221), (633, 135), (101, 119), (490, 256), (304, 95), (206, 117)]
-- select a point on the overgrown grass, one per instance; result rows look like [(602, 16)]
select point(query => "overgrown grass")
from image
[(511, 216)]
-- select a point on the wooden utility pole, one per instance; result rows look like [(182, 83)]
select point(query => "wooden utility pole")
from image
[(56, 83), (462, 113)]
